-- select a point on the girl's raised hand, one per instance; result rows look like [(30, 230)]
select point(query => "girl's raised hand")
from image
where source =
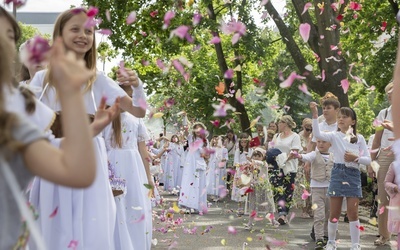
[(128, 77), (69, 73), (104, 115), (314, 109)]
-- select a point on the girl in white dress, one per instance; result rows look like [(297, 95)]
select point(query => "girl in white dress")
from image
[(193, 193), (174, 158), (133, 228), (86, 216), (217, 168), (242, 156)]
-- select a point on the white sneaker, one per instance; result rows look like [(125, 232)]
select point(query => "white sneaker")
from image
[(355, 247), (331, 245)]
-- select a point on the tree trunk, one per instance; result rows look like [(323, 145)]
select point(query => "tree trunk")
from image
[(321, 38), (243, 116)]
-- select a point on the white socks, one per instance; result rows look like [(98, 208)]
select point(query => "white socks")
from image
[(332, 228), (355, 232)]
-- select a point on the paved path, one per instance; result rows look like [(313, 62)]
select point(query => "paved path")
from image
[(210, 231)]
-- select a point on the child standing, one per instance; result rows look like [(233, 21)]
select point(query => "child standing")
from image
[(349, 151), (133, 228), (193, 193), (84, 215), (261, 199), (217, 168), (321, 166), (242, 156)]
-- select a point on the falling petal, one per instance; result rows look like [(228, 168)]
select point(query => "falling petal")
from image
[(108, 16), (334, 220), (314, 206), (73, 244), (223, 242), (131, 18), (54, 213), (303, 88), (305, 195), (215, 40), (345, 85), (289, 81), (35, 51), (306, 7), (138, 220), (167, 18), (291, 217), (381, 210), (173, 245), (228, 74), (361, 228), (196, 19), (180, 32), (305, 29), (106, 32), (275, 242), (122, 69), (92, 11), (154, 242), (355, 6)]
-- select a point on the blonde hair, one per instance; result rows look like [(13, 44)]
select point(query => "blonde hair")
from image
[(90, 56), (289, 121), (306, 121), (389, 87)]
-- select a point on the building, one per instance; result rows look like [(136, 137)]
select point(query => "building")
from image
[(43, 21)]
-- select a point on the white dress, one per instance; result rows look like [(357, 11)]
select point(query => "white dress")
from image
[(86, 216), (217, 171), (193, 193), (240, 158), (133, 228), (174, 161)]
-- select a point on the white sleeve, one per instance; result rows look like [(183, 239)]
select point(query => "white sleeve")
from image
[(142, 132), (326, 136), (138, 94), (36, 85), (236, 159), (309, 157), (296, 143), (105, 86), (365, 157)]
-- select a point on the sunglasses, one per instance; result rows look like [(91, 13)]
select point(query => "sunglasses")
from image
[(308, 129)]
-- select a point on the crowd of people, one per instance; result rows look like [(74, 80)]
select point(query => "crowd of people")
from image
[(98, 173)]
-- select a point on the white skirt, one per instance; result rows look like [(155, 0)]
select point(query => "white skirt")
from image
[(85, 216)]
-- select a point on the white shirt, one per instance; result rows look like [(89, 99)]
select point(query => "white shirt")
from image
[(310, 157), (386, 133), (286, 145), (325, 127), (340, 145)]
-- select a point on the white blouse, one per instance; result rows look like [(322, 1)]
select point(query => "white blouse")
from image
[(339, 146)]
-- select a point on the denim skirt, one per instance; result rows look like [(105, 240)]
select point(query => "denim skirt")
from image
[(345, 182)]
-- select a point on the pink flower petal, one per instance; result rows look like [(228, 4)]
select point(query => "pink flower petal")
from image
[(235, 38), (142, 103), (138, 220), (304, 30), (306, 7), (73, 244), (381, 210), (232, 230), (292, 217), (173, 245), (54, 213), (263, 2), (305, 195), (275, 242), (323, 75), (355, 6), (196, 19), (289, 81), (92, 11), (167, 18), (345, 85), (215, 40), (228, 74), (108, 15), (106, 32), (180, 32), (303, 88), (131, 18)]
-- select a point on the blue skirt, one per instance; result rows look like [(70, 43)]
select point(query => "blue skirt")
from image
[(345, 182)]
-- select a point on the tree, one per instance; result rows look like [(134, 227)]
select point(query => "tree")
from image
[(147, 42), (105, 53), (28, 32)]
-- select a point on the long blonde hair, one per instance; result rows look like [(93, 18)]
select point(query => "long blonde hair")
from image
[(90, 56), (116, 137)]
